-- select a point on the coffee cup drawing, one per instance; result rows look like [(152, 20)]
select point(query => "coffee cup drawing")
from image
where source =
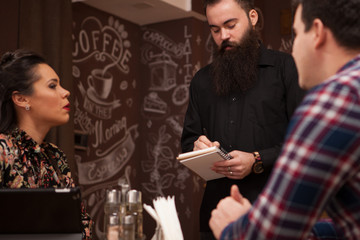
[(100, 83)]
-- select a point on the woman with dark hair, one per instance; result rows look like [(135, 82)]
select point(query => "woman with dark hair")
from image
[(31, 102)]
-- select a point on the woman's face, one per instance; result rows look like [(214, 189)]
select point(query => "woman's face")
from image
[(49, 104)]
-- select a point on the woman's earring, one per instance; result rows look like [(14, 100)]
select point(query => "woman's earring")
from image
[(27, 108)]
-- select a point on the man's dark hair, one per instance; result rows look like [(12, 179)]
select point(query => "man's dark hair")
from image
[(247, 5), (340, 16)]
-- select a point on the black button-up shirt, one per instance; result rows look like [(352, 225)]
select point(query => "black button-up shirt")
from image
[(252, 121)]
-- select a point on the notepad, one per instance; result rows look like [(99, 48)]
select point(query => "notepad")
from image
[(201, 161)]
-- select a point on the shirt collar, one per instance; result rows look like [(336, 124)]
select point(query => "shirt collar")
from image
[(266, 56), (350, 64), (26, 142)]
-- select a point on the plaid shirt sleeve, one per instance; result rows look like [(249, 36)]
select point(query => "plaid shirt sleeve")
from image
[(317, 170)]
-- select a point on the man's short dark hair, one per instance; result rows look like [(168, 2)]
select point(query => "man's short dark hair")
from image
[(247, 5), (340, 16)]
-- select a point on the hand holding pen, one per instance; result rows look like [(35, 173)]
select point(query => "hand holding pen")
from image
[(203, 142)]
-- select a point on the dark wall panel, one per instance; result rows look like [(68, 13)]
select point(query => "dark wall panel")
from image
[(106, 105), (171, 53), (9, 21)]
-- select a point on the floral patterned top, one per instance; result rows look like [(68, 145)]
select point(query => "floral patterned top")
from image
[(26, 164)]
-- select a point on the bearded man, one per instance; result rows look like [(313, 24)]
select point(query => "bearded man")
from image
[(242, 101)]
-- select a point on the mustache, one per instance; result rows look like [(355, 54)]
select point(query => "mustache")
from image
[(227, 43)]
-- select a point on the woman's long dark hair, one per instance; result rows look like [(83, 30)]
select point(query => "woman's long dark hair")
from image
[(16, 74)]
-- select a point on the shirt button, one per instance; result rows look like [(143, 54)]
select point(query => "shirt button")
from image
[(232, 121), (234, 99)]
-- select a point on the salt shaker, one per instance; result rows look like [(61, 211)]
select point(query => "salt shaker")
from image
[(134, 207), (113, 227), (112, 214), (124, 190), (128, 228)]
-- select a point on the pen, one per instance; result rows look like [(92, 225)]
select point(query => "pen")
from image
[(221, 148), (205, 132)]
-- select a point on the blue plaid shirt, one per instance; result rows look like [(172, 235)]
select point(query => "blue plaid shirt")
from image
[(317, 170)]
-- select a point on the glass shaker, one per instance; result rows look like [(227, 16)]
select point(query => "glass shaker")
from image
[(112, 227), (128, 228), (112, 213), (134, 207), (124, 190)]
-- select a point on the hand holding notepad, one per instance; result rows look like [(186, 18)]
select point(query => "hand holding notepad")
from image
[(201, 161)]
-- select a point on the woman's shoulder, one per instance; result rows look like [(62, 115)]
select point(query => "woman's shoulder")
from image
[(55, 151), (5, 140), (4, 135), (53, 147), (8, 150)]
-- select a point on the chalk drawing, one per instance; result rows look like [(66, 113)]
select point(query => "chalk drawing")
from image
[(162, 72), (153, 103), (160, 162)]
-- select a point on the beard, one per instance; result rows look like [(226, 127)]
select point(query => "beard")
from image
[(236, 69)]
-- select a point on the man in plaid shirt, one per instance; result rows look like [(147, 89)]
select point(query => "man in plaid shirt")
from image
[(319, 167)]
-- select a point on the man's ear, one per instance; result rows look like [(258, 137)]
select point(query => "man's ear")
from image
[(254, 17), (320, 33), (19, 99)]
